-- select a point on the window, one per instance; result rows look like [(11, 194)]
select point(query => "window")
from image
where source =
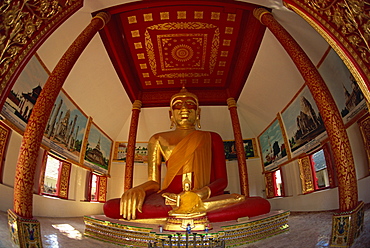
[(96, 187), (316, 170), (320, 170), (274, 184), (278, 183), (56, 175)]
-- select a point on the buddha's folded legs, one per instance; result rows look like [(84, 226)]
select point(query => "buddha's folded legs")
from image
[(155, 207)]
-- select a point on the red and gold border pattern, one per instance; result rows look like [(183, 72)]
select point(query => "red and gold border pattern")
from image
[(24, 27), (102, 194), (269, 184), (305, 171), (65, 171)]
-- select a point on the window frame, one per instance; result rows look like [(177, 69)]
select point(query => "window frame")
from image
[(63, 179), (101, 187), (271, 184), (309, 180)]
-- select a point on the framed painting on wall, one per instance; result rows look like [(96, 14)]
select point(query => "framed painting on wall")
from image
[(97, 149), (22, 97), (141, 152), (272, 146), (65, 129), (343, 86), (250, 149), (303, 124)]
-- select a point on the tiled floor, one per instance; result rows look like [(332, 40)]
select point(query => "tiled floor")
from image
[(306, 230)]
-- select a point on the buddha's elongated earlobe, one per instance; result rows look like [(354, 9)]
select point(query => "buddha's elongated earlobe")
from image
[(172, 122), (197, 120)]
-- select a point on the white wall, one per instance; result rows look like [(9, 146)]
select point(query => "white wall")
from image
[(294, 200), (44, 205), (324, 199)]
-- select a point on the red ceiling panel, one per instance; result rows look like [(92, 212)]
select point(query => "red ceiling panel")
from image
[(157, 47)]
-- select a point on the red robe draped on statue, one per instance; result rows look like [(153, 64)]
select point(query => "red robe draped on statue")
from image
[(154, 204)]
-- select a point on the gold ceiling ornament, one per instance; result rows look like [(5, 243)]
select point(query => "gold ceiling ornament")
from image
[(131, 19), (19, 22), (182, 52), (351, 18)]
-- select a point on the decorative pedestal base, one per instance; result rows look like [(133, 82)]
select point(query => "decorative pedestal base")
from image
[(24, 232), (181, 224), (347, 227), (149, 233)]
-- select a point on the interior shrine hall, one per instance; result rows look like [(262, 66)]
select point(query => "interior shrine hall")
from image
[(196, 123)]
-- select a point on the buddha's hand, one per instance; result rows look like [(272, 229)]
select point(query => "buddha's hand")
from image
[(131, 201), (170, 198)]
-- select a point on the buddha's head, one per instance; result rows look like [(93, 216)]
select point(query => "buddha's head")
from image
[(186, 185), (184, 110)]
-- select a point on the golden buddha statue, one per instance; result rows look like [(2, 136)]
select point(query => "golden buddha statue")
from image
[(188, 203), (187, 151)]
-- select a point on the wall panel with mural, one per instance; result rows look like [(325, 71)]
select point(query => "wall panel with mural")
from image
[(67, 125)]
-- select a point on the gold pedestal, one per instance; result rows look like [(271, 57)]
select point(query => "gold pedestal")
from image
[(347, 227), (24, 232), (181, 224)]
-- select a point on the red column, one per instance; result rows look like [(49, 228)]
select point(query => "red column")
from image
[(343, 158), (33, 134), (130, 155), (242, 161)]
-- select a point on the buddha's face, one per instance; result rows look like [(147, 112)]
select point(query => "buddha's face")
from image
[(184, 111), (186, 187)]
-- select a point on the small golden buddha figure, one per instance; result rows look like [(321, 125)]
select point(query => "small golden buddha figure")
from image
[(187, 151), (188, 203)]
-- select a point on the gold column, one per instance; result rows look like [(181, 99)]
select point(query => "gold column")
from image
[(130, 156), (242, 161), (33, 134), (348, 195)]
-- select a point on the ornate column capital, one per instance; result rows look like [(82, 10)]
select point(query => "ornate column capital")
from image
[(231, 103), (137, 105), (104, 16), (259, 12)]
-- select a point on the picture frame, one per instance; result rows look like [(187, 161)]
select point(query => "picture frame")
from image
[(302, 123), (250, 149), (120, 150), (18, 106), (66, 125), (273, 148), (349, 97), (97, 149), (65, 129)]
